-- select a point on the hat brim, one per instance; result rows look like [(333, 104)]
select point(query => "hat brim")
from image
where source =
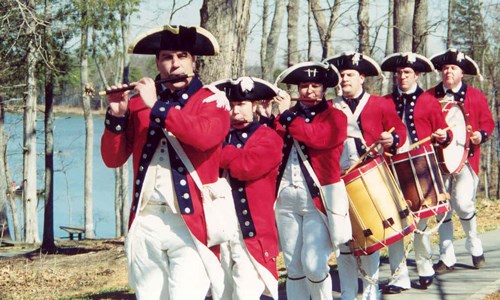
[(417, 62), (194, 39), (246, 89), (450, 57), (296, 74), (365, 65)]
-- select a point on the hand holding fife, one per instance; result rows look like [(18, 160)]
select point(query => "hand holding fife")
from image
[(147, 89), (439, 135), (476, 138), (118, 102), (283, 100), (265, 108)]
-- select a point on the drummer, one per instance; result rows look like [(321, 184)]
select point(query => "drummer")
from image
[(423, 117), (462, 186), (314, 133), (369, 122)]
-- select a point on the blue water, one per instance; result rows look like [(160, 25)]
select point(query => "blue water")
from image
[(69, 147)]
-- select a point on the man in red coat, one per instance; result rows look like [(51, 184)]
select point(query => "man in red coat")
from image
[(309, 177), (462, 186), (166, 245), (423, 117), (251, 156), (369, 121)]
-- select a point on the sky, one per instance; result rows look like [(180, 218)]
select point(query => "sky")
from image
[(155, 13)]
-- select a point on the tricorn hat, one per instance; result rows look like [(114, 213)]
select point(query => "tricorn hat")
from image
[(193, 39), (417, 62), (246, 88), (455, 57), (310, 72), (353, 60)]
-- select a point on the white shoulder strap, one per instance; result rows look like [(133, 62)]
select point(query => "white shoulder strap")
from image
[(183, 156)]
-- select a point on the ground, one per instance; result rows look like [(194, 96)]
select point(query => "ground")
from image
[(97, 269)]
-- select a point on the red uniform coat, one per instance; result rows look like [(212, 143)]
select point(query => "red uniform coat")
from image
[(423, 115), (480, 118), (256, 165), (199, 126), (322, 130)]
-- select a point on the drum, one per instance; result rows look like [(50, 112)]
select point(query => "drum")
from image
[(420, 180), (452, 158), (379, 214)]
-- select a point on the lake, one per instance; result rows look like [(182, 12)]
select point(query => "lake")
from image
[(69, 146)]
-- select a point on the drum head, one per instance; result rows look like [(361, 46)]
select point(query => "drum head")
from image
[(455, 154)]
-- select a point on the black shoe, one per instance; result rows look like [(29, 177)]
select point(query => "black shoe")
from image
[(425, 281), (392, 289), (441, 268), (478, 261)]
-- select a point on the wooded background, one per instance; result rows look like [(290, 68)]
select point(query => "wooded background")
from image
[(59, 52)]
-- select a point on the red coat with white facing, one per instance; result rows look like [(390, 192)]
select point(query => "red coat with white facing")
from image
[(376, 118), (480, 118), (426, 115), (200, 126), (256, 165), (323, 138)]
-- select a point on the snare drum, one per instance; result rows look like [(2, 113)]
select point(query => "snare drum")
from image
[(379, 214), (421, 182), (452, 158)]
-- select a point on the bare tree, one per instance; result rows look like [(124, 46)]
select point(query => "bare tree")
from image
[(403, 20), (389, 45), (364, 27), (89, 123), (272, 40), (228, 21), (420, 26), (292, 32), (326, 30), (29, 135)]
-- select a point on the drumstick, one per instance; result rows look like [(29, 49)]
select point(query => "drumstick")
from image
[(157, 82), (365, 154), (424, 140)]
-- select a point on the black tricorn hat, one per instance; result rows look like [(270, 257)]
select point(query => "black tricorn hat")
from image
[(352, 60), (417, 62), (310, 72), (193, 39), (455, 57), (246, 88)]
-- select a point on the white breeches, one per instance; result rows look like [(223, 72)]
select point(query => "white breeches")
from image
[(462, 187), (162, 257), (399, 269), (423, 250), (348, 273), (242, 276), (306, 246)]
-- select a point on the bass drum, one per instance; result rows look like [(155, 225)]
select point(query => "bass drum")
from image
[(452, 158)]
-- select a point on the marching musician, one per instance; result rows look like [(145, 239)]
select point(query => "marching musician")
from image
[(251, 155), (166, 244), (368, 122), (423, 117), (462, 186), (314, 133)]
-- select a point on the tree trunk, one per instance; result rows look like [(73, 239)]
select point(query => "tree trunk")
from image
[(292, 32), (4, 172), (449, 27), (89, 128), (228, 22), (30, 197), (364, 27), (309, 32), (325, 31), (420, 26), (263, 37), (403, 20), (273, 39), (389, 47), (4, 228)]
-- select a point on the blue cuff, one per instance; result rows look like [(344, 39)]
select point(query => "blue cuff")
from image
[(116, 124), (287, 117), (395, 143), (484, 136), (159, 113)]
